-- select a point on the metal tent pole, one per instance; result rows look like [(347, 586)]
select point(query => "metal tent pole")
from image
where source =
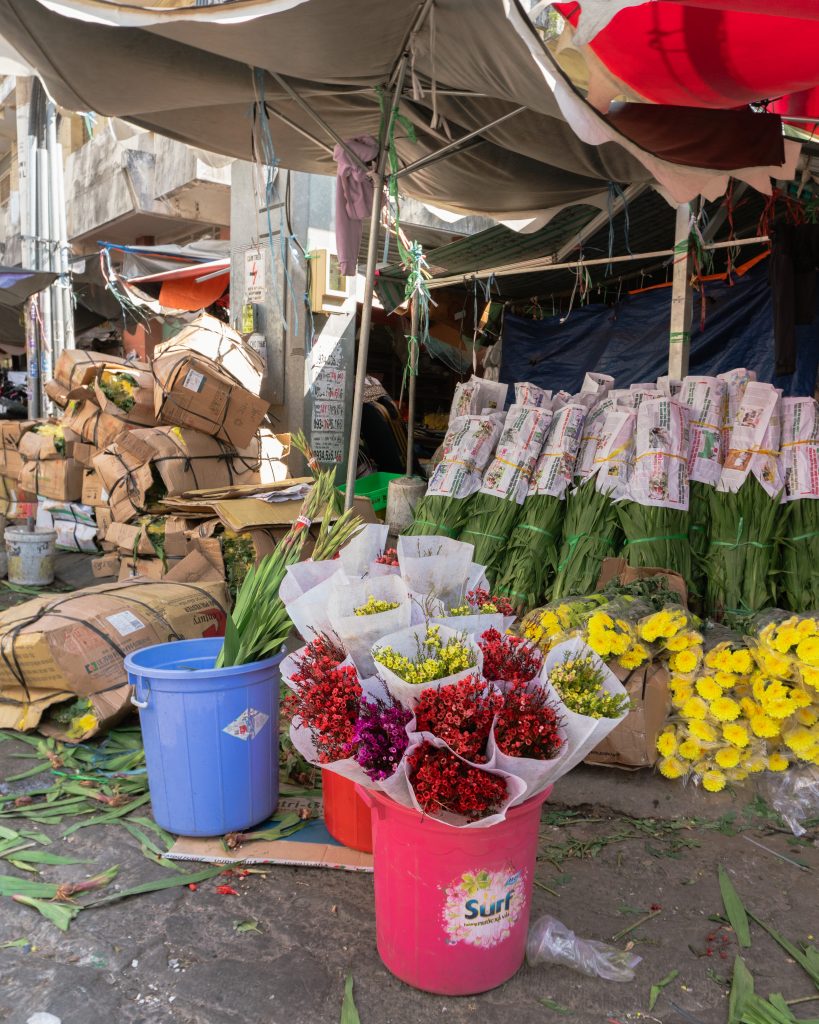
[(369, 283), (55, 242), (411, 388), (682, 298), (33, 261), (44, 232)]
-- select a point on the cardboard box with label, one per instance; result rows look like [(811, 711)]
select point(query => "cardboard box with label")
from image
[(221, 345), (194, 392), (60, 479), (93, 489), (56, 649)]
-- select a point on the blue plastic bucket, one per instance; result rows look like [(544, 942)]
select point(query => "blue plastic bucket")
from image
[(211, 736)]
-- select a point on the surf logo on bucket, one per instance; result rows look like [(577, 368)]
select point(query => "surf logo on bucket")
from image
[(482, 907), (248, 725)]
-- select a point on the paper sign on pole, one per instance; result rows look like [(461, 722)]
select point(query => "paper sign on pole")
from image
[(255, 274)]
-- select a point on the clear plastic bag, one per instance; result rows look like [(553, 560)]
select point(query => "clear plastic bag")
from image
[(795, 795), (551, 942)]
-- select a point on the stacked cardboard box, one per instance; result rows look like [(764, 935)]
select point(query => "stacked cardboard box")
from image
[(132, 433)]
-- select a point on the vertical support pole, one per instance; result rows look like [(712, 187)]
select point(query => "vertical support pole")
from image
[(44, 232), (31, 260), (55, 241), (679, 341), (369, 284), (412, 349)]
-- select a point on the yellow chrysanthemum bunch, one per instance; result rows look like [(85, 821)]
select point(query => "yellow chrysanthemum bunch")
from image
[(662, 625), (545, 626), (614, 637), (789, 649), (734, 716)]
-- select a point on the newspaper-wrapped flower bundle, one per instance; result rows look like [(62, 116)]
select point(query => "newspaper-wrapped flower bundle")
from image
[(745, 510), (654, 516), (468, 446), (530, 557), (493, 511), (799, 550), (591, 529)]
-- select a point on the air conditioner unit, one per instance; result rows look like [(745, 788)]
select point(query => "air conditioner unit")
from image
[(329, 288)]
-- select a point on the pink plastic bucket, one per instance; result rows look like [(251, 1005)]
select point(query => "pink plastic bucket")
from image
[(452, 905), (346, 815)]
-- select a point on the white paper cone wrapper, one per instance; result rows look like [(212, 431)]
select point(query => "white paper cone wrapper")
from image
[(359, 633), (378, 569), (583, 734), (399, 788), (303, 741), (435, 565), (407, 642), (476, 578), (357, 556), (475, 625), (304, 591)]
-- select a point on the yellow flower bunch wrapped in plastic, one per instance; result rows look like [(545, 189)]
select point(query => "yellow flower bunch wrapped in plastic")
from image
[(544, 626), (788, 648), (613, 637)]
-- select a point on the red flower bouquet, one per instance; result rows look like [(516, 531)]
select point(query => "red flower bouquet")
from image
[(528, 724), (508, 659), (460, 714), (328, 705), (442, 782)]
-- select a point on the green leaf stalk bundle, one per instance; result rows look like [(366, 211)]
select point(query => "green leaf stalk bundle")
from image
[(799, 550), (259, 624), (591, 532), (740, 563)]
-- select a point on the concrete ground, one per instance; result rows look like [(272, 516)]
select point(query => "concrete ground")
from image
[(614, 847)]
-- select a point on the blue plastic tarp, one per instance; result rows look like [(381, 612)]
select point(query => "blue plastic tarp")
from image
[(630, 340)]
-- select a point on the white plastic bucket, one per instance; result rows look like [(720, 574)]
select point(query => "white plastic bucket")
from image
[(30, 556), (403, 494)]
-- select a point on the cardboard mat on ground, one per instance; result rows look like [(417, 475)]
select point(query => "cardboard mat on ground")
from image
[(55, 649), (310, 847)]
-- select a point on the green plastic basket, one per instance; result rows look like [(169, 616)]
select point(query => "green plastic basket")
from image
[(373, 486)]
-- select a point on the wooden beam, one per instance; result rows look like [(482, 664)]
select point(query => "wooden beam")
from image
[(679, 340)]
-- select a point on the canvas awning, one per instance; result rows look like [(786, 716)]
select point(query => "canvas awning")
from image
[(16, 285), (186, 70)]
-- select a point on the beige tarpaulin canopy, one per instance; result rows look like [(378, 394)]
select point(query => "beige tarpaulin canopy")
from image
[(186, 71), (498, 128)]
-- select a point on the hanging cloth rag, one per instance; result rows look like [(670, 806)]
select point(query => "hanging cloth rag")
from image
[(354, 199)]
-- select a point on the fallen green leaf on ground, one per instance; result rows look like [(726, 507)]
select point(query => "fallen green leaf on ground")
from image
[(654, 992), (158, 886), (15, 944), (552, 1004), (349, 1012), (807, 957), (60, 914), (251, 925), (734, 909)]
